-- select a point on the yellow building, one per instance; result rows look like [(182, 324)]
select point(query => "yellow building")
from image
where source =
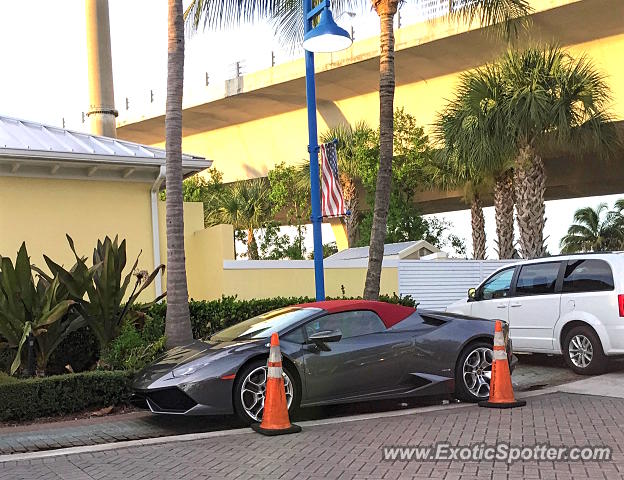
[(252, 122), (55, 182)]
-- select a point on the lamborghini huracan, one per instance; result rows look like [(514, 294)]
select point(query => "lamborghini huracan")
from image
[(337, 351)]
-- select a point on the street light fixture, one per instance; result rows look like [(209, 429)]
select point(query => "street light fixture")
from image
[(325, 37)]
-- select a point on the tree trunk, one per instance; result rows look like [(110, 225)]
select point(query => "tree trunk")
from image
[(504, 210), (349, 192), (386, 10), (530, 184), (178, 323), (252, 245), (478, 228)]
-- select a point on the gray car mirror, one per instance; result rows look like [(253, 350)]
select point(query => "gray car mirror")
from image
[(326, 336)]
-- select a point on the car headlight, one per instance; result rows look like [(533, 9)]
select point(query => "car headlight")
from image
[(186, 370), (191, 367)]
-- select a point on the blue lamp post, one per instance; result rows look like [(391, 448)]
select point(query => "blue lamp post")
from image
[(325, 37)]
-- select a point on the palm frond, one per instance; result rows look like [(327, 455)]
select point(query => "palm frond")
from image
[(509, 16), (226, 13)]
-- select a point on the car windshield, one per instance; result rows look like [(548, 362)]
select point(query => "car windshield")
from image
[(263, 326)]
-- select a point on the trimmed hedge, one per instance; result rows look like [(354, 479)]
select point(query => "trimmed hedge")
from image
[(208, 317), (62, 394)]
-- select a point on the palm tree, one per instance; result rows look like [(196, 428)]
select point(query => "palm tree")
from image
[(594, 230), (178, 323), (474, 127), (245, 205), (550, 98), (289, 20), (351, 142), (446, 171)]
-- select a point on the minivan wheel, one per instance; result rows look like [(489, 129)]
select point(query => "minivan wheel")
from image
[(582, 351)]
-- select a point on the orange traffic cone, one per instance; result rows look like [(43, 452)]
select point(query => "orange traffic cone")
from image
[(275, 419), (501, 390)]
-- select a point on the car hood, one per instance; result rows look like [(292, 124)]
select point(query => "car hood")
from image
[(178, 356)]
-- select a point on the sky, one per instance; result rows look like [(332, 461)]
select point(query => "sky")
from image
[(44, 72)]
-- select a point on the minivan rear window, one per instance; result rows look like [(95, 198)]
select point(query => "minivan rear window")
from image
[(537, 278), (590, 275)]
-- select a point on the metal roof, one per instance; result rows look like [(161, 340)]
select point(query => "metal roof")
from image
[(34, 149), (390, 249)]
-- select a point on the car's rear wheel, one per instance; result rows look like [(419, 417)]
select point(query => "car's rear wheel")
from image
[(582, 351), (473, 372), (250, 387)]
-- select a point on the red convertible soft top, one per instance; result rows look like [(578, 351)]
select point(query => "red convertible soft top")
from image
[(389, 313)]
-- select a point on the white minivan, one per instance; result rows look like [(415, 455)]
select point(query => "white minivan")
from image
[(570, 304)]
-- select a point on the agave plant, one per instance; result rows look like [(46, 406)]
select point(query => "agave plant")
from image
[(41, 308), (101, 291)]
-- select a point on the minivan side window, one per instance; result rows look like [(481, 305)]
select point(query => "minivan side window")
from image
[(497, 286), (590, 275), (537, 278)]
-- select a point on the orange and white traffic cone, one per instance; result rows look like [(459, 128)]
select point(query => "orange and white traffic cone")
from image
[(275, 419), (501, 389)]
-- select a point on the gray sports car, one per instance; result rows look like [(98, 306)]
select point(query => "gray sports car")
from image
[(333, 352)]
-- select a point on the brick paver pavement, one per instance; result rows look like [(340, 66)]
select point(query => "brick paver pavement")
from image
[(352, 450), (532, 372)]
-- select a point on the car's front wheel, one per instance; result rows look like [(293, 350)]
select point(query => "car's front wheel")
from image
[(582, 351), (473, 372), (250, 388)]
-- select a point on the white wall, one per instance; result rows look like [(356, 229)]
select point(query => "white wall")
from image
[(437, 283)]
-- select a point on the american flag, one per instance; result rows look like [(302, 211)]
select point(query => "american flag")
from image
[(333, 204)]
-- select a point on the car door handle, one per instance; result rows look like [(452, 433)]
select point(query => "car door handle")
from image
[(501, 306), (515, 305)]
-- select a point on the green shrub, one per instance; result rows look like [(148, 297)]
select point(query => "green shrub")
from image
[(6, 357), (5, 378), (79, 350), (132, 349), (62, 394)]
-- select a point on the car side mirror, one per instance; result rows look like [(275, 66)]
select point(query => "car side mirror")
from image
[(325, 336), (472, 294)]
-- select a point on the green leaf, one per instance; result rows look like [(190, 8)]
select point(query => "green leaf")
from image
[(18, 357)]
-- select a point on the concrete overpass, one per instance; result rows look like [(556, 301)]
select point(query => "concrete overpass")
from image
[(250, 123)]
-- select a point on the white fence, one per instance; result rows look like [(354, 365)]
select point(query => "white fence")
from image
[(437, 283)]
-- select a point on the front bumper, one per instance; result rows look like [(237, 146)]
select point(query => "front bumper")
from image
[(183, 396)]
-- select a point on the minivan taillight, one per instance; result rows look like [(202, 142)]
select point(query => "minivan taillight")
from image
[(621, 304)]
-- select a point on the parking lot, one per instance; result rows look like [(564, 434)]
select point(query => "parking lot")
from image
[(533, 373)]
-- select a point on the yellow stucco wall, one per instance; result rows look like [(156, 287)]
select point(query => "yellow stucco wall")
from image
[(250, 149), (41, 211), (295, 282)]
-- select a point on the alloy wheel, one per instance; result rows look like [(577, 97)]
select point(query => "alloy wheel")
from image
[(253, 389), (477, 372), (581, 351)]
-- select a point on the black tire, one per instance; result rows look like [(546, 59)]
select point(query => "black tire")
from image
[(238, 383), (462, 391), (598, 362)]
